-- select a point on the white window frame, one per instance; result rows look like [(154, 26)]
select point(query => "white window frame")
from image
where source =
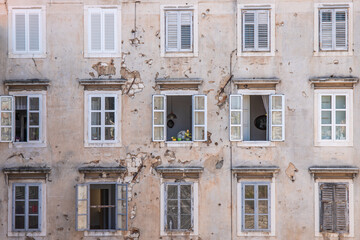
[(245, 7), (317, 206), (317, 50), (42, 32), (88, 53), (42, 216), (195, 195), (272, 199), (195, 46), (87, 119), (349, 117)]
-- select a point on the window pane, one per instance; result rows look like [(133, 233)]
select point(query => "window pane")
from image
[(95, 118), (185, 191), (276, 133), (185, 207), (121, 221), (326, 133), (33, 207), (34, 134), (34, 119), (340, 102), (249, 191), (263, 206), (109, 133), (34, 104), (19, 222), (249, 222), (158, 118), (109, 118), (121, 192), (235, 117), (185, 37), (19, 207), (172, 191), (20, 192), (121, 206), (82, 192), (172, 207), (276, 103), (109, 103), (82, 207), (6, 119), (263, 191), (172, 222), (263, 222), (235, 102), (159, 103), (33, 192), (185, 222), (6, 104), (235, 132), (158, 133), (199, 103), (95, 133), (199, 133), (199, 118), (33, 222), (249, 35), (325, 117), (340, 117), (276, 118), (341, 133), (6, 134), (249, 206), (95, 103), (82, 222), (326, 102)]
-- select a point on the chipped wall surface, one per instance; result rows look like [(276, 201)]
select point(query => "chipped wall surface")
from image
[(294, 63)]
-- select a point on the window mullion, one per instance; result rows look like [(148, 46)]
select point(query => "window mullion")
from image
[(102, 119)]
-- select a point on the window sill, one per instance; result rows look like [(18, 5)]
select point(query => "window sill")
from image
[(333, 53), (25, 234), (256, 54), (102, 55), (27, 145), (27, 55), (174, 234), (102, 145), (333, 144), (256, 144), (181, 144), (103, 233), (256, 234), (180, 54), (332, 236)]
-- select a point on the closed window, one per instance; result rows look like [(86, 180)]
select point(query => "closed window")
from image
[(179, 31), (256, 30)]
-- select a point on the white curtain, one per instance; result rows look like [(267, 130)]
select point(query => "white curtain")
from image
[(266, 103)]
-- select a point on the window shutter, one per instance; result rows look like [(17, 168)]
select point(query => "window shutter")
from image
[(341, 18), (326, 211), (277, 117), (186, 30), (236, 117), (34, 118), (159, 118), (7, 118), (326, 29), (263, 30), (172, 31), (341, 208), (109, 28), (95, 31), (199, 118), (82, 207), (121, 206), (34, 32), (20, 39), (249, 30)]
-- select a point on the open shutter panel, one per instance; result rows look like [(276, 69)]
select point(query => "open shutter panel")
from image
[(82, 210), (326, 29), (236, 117), (121, 206), (7, 118), (186, 30), (341, 208), (199, 118), (341, 29), (109, 30), (249, 30), (326, 212), (277, 117), (159, 118), (263, 30), (95, 32), (172, 34), (20, 44), (34, 32)]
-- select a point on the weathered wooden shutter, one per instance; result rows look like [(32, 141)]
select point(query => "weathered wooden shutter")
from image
[(82, 207), (20, 32), (341, 29), (341, 208), (199, 118), (159, 118), (277, 117), (248, 30), (236, 117), (121, 207), (34, 31), (186, 30), (326, 211), (172, 32), (95, 31), (109, 30), (263, 28), (326, 29), (7, 120)]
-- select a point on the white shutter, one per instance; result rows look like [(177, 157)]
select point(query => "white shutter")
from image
[(34, 31), (341, 29), (20, 32), (326, 29), (186, 30), (199, 131), (248, 30), (236, 116), (7, 120), (263, 30), (159, 118), (109, 30), (82, 207), (172, 31), (277, 117), (95, 31)]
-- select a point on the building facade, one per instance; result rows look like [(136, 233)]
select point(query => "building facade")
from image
[(179, 119)]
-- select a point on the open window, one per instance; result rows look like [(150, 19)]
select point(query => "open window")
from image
[(179, 118), (257, 118)]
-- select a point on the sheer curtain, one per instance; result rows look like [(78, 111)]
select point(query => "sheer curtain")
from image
[(266, 103)]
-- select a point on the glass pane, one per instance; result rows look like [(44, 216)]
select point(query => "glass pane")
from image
[(276, 118), (6, 134), (249, 222), (82, 222), (172, 222), (33, 207), (6, 119), (199, 118), (185, 221), (159, 103), (82, 192), (276, 133), (34, 134), (340, 102), (263, 206), (121, 192), (326, 133), (172, 207), (235, 102), (185, 207), (199, 103), (95, 118), (325, 117), (276, 102), (172, 192), (250, 206), (236, 133), (95, 133), (34, 104), (263, 222), (249, 191), (6, 104), (199, 133), (20, 192), (263, 191), (121, 221), (159, 118), (185, 191), (235, 117), (109, 118), (341, 133), (33, 192), (95, 103), (19, 222), (82, 207), (109, 133), (325, 102), (158, 133), (34, 119), (109, 103), (340, 117), (19, 207), (121, 206)]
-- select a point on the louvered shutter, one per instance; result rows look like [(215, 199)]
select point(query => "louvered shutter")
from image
[(109, 30), (20, 35), (186, 30), (172, 35), (326, 211), (236, 117), (7, 118), (263, 28), (277, 117), (326, 29), (341, 208), (159, 118), (199, 130), (95, 31), (82, 207), (34, 32), (341, 29), (248, 30)]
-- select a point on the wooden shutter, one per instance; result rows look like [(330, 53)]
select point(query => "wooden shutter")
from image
[(277, 117), (20, 32), (326, 211), (34, 31), (199, 131), (7, 120), (248, 30), (172, 31), (121, 206), (236, 118), (159, 118), (109, 30), (326, 29), (95, 31), (341, 208), (341, 29), (186, 30), (82, 207), (263, 30)]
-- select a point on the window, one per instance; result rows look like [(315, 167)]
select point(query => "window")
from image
[(102, 35), (179, 118), (257, 118), (26, 209), (255, 206), (179, 30), (28, 32), (101, 206)]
